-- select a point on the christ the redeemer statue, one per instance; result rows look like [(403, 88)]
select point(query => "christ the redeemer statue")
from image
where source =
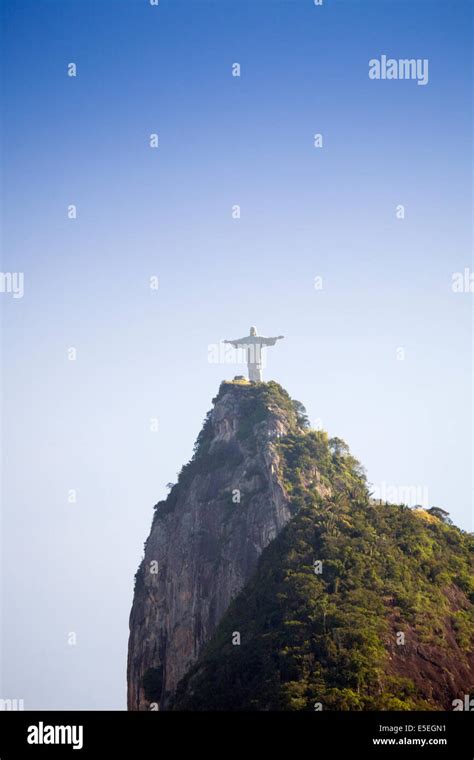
[(253, 345)]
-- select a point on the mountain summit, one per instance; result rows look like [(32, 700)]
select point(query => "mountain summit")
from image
[(272, 581)]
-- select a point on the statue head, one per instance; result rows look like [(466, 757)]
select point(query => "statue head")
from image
[(253, 331)]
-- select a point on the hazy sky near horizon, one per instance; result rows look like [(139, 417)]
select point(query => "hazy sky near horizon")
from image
[(306, 212)]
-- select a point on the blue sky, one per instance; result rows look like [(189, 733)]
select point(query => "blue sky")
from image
[(142, 354)]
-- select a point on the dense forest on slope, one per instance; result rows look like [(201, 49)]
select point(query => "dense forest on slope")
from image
[(353, 606)]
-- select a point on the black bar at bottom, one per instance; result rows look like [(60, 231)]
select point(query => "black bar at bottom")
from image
[(103, 734)]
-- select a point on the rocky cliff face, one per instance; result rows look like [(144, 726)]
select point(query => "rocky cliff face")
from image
[(228, 505)]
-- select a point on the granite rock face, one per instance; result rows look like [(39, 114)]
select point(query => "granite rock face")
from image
[(205, 540)]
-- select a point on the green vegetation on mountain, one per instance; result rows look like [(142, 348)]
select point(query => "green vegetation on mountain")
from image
[(354, 606)]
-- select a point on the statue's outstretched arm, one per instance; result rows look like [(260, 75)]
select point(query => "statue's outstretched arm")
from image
[(235, 343), (271, 341)]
